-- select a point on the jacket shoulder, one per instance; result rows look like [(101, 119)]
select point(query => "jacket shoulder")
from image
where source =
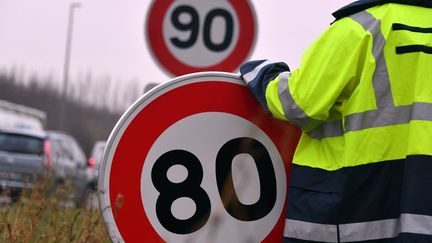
[(361, 5)]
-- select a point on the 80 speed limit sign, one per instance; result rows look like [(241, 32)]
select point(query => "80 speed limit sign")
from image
[(187, 36), (197, 160)]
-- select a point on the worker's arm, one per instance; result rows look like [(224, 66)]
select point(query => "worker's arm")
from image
[(313, 93)]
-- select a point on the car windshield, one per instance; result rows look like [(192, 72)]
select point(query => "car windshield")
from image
[(21, 144), (66, 148)]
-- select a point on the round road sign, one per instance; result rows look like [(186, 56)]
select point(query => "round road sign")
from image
[(187, 36), (197, 160)]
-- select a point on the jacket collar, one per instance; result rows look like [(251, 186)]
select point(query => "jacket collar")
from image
[(361, 5)]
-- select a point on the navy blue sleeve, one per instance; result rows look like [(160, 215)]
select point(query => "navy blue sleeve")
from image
[(258, 74)]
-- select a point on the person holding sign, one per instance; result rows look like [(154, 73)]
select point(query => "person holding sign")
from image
[(363, 98)]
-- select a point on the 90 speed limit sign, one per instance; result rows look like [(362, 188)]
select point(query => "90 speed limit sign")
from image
[(197, 160), (187, 36)]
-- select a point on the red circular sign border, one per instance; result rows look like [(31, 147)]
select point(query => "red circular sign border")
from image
[(125, 178), (244, 45)]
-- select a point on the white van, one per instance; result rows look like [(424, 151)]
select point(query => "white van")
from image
[(19, 117)]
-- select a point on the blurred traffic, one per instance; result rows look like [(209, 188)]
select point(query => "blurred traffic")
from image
[(29, 152), (94, 162)]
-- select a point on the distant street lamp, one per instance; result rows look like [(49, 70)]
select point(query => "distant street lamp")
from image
[(72, 7)]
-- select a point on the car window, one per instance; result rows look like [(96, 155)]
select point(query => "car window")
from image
[(61, 149), (77, 153), (18, 143), (68, 149)]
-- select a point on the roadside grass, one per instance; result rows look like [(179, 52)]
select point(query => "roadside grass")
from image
[(43, 216)]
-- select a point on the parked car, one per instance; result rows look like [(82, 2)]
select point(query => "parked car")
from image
[(68, 164), (23, 159), (94, 162), (29, 155)]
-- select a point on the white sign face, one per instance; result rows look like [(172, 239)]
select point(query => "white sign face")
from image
[(200, 135), (201, 34), (188, 36)]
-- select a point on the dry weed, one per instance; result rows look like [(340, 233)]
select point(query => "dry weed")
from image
[(41, 215)]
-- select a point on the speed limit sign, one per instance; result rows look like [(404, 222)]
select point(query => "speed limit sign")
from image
[(187, 36), (197, 160)]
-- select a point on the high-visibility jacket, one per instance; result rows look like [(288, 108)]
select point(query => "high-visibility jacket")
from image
[(363, 98)]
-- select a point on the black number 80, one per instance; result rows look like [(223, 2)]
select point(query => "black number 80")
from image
[(191, 186)]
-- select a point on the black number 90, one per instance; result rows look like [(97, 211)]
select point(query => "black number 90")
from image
[(194, 27), (191, 186)]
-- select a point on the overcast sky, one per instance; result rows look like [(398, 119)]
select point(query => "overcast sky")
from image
[(109, 39)]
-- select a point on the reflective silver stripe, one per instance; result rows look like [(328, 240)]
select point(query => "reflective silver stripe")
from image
[(372, 230), (296, 115), (389, 116), (381, 81), (248, 77), (375, 118), (416, 224), (292, 111), (310, 231), (362, 231), (327, 130)]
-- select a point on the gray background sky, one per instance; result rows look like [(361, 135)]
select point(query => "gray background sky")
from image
[(109, 36)]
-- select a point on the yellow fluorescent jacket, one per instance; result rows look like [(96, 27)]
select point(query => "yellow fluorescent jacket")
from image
[(363, 93)]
